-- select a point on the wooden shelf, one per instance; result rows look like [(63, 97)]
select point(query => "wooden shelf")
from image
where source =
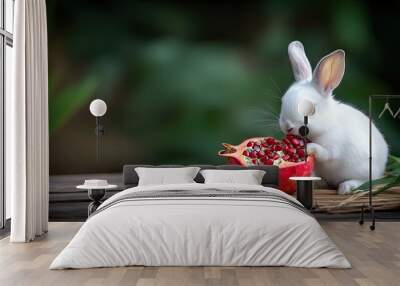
[(328, 201)]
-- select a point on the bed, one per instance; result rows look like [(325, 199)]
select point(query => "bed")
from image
[(198, 224)]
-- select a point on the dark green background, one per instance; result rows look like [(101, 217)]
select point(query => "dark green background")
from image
[(181, 78)]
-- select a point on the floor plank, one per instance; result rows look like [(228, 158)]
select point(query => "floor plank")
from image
[(375, 257)]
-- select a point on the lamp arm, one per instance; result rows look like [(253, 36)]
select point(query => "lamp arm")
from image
[(99, 128), (99, 131), (303, 131)]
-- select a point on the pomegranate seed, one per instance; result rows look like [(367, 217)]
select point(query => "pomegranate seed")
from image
[(261, 154), (286, 157), (300, 152), (270, 154), (295, 141), (250, 144), (270, 141), (276, 157), (246, 153), (278, 148), (253, 154), (269, 162), (254, 161), (292, 150)]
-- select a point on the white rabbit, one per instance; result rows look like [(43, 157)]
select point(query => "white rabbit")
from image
[(339, 132)]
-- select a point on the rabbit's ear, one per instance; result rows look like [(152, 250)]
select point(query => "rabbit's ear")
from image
[(300, 64), (329, 71)]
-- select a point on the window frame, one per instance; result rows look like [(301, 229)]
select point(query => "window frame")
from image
[(6, 39)]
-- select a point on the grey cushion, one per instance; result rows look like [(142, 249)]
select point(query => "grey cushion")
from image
[(270, 179)]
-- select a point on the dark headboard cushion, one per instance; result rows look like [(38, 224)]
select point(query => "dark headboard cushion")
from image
[(271, 177)]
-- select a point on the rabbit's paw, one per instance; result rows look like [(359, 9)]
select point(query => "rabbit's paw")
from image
[(318, 151), (346, 187)]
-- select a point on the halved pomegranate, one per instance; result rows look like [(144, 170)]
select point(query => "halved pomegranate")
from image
[(288, 154)]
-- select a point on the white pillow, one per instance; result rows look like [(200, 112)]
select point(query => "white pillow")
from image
[(248, 177), (165, 176)]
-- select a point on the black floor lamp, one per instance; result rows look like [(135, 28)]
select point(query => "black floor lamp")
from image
[(98, 108), (370, 207)]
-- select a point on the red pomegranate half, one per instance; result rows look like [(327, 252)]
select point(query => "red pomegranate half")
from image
[(287, 154)]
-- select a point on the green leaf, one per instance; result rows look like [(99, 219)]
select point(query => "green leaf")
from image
[(394, 183), (381, 181)]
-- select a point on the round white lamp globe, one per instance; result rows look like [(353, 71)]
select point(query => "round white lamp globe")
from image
[(306, 107), (98, 107)]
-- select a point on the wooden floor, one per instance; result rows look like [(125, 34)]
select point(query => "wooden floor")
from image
[(375, 257)]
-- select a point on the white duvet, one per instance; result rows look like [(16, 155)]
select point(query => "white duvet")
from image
[(200, 231)]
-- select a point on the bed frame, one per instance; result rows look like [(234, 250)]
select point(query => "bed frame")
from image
[(271, 178)]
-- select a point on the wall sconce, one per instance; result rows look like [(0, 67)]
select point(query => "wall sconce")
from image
[(306, 108), (98, 108)]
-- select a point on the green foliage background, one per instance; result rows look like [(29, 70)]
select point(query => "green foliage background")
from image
[(181, 78)]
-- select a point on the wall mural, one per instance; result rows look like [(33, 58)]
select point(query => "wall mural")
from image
[(180, 79)]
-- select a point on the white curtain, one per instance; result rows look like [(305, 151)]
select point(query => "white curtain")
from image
[(27, 124)]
